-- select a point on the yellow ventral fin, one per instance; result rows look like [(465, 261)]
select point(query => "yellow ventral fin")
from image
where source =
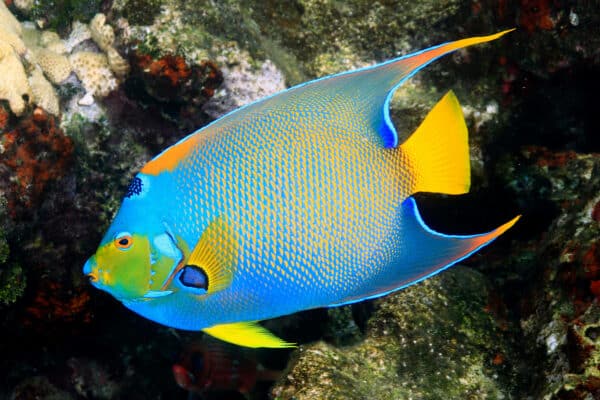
[(439, 150), (247, 334), (217, 254)]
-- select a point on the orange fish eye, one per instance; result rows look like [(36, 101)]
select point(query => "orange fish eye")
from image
[(123, 241)]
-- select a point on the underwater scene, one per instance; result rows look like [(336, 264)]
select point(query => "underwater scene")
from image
[(215, 200)]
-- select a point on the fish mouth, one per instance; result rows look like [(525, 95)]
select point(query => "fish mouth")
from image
[(90, 270)]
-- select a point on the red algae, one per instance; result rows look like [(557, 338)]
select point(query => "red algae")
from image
[(596, 212), (53, 303), (536, 14), (35, 153)]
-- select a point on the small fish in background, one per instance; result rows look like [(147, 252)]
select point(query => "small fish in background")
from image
[(214, 366), (297, 201)]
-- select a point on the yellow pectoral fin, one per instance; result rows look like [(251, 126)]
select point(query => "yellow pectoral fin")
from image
[(247, 334), (216, 253)]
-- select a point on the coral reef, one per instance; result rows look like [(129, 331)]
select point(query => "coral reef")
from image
[(58, 14), (243, 83), (26, 50), (104, 36), (173, 88), (43, 93), (52, 303), (10, 25), (92, 380), (39, 387), (22, 46), (16, 89), (55, 66)]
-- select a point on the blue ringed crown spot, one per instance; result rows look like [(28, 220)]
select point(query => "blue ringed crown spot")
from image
[(134, 188)]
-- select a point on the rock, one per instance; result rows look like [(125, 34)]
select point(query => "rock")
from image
[(432, 340), (559, 304), (243, 83)]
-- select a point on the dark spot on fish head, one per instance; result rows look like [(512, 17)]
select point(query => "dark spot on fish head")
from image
[(134, 188)]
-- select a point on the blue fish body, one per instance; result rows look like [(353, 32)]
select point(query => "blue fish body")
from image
[(297, 201)]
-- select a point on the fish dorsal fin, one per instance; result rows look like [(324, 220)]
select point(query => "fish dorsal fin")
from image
[(247, 334), (358, 101), (216, 253)]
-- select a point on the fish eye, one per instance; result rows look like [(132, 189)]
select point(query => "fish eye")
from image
[(123, 241)]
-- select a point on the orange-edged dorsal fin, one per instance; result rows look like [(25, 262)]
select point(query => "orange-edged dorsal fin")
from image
[(358, 101), (403, 68), (439, 150)]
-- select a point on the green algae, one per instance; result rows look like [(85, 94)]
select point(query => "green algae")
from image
[(12, 279), (59, 14), (107, 160), (141, 12)]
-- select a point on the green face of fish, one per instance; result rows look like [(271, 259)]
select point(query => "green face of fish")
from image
[(122, 267), (132, 267)]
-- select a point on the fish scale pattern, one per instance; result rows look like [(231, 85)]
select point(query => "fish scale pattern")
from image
[(313, 201)]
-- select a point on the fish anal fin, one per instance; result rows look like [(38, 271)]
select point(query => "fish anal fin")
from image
[(439, 150), (216, 253), (247, 334), (427, 252), (424, 253)]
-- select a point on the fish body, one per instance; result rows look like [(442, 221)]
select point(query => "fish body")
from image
[(300, 200)]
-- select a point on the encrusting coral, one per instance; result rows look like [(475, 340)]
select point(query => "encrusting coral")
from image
[(8, 21), (98, 72), (43, 92), (95, 75), (104, 36), (55, 66), (31, 61), (14, 86)]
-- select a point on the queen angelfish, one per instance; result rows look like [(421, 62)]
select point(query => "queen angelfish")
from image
[(297, 201)]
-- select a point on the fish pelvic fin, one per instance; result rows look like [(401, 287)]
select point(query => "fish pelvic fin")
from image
[(247, 334), (438, 151)]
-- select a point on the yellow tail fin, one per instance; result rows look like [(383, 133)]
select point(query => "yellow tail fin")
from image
[(439, 150)]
